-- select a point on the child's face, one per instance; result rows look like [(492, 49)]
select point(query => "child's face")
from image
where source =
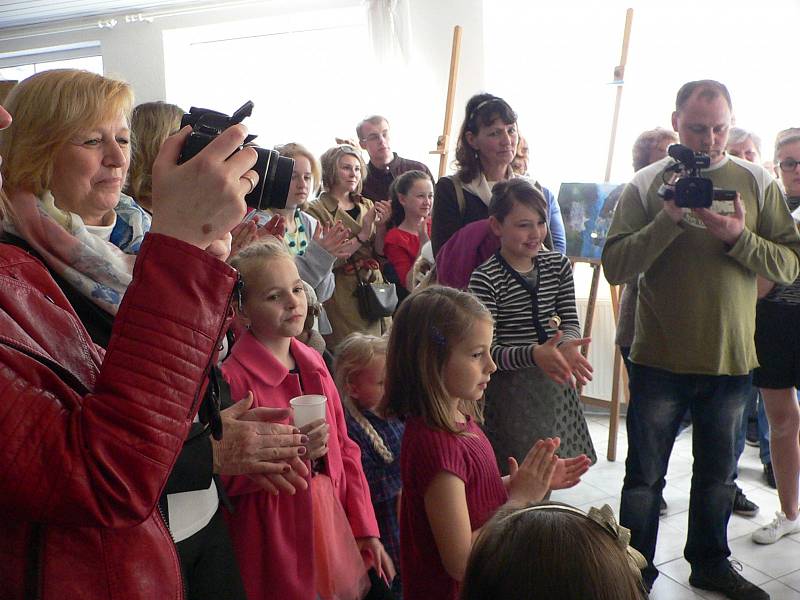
[(275, 302), (418, 201), (469, 366), (366, 386), (522, 232), (302, 182)]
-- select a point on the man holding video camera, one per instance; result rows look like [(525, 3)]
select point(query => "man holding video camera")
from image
[(696, 253)]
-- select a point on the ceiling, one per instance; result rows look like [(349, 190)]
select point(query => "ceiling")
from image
[(22, 13)]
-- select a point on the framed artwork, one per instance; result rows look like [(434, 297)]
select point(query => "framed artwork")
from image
[(587, 210)]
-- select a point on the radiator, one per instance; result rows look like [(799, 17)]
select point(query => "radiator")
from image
[(601, 350)]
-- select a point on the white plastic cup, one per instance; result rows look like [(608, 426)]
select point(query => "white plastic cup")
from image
[(308, 408)]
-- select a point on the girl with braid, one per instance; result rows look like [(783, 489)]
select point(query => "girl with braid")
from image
[(360, 366)]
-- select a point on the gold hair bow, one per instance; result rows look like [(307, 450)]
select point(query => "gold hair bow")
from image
[(604, 517)]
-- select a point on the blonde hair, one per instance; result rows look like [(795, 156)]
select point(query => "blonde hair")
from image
[(293, 150), (330, 165), (151, 124), (49, 109), (252, 257), (426, 327), (353, 354)]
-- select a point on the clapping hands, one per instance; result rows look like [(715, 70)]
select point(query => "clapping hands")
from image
[(248, 232), (542, 471), (563, 362), (335, 239)]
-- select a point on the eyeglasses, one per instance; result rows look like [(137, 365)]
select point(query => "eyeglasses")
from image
[(374, 137), (788, 165)]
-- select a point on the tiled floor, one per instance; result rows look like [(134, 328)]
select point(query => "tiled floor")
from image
[(776, 568)]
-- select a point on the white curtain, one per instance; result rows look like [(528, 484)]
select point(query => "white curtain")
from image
[(389, 24)]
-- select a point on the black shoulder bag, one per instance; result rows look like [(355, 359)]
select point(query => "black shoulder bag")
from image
[(375, 300)]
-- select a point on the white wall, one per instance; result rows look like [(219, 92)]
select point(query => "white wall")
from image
[(135, 52), (432, 28)]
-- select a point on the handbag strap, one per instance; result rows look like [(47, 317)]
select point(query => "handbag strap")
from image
[(533, 291), (356, 270)]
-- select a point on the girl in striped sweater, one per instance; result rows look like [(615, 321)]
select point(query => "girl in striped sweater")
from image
[(536, 344)]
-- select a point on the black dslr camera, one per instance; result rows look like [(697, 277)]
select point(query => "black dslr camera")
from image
[(691, 190), (274, 171)]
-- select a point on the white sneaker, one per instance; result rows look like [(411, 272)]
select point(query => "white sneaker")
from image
[(781, 526)]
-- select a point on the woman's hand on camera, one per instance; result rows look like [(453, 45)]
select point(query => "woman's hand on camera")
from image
[(317, 433), (202, 200)]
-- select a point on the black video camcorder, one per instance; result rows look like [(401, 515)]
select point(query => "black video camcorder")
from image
[(691, 190)]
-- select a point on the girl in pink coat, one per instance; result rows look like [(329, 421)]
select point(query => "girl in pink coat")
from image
[(274, 534)]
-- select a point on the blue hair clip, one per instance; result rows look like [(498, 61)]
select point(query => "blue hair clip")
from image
[(437, 336)]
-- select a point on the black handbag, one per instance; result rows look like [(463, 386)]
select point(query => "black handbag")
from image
[(375, 300)]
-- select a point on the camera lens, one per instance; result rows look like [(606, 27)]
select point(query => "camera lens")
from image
[(274, 177)]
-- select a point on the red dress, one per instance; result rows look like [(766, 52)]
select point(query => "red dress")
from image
[(273, 535), (401, 249), (425, 453)]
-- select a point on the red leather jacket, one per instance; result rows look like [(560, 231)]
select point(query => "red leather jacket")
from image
[(85, 451)]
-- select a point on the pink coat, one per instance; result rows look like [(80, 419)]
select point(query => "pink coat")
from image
[(273, 535)]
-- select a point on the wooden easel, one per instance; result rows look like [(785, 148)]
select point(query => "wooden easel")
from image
[(613, 425), (443, 143)]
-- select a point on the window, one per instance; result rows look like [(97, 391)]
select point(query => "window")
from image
[(45, 62), (305, 73)]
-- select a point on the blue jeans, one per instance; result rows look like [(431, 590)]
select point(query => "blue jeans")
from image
[(659, 400)]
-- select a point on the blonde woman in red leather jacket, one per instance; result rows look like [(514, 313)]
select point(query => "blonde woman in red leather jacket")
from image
[(88, 440)]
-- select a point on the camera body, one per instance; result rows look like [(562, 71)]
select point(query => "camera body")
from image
[(691, 190), (274, 171)]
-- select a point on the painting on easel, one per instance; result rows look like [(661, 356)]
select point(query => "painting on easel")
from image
[(587, 209)]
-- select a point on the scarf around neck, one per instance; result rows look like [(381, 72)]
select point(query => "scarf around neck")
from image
[(99, 270)]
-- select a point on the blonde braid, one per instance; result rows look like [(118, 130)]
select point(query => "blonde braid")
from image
[(377, 441), (356, 351)]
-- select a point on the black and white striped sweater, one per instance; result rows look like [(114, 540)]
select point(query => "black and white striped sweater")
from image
[(511, 306)]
